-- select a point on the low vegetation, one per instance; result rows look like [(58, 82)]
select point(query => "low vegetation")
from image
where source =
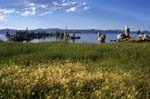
[(75, 71)]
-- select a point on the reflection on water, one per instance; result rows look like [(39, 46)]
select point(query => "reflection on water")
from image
[(47, 39), (2, 37), (85, 38)]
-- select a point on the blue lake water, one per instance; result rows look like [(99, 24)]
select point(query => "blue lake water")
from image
[(85, 38)]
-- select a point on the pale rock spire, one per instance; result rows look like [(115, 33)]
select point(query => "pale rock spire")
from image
[(127, 31)]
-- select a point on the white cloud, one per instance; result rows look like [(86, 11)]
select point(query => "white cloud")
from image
[(86, 7), (63, 0), (17, 12), (30, 12), (7, 11), (2, 18), (26, 13), (41, 7), (84, 3), (31, 4), (55, 3), (68, 4), (64, 4), (46, 13), (72, 9), (81, 7)]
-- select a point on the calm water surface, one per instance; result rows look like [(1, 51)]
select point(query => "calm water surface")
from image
[(85, 38)]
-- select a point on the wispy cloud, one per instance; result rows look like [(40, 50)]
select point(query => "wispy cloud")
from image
[(7, 11), (46, 13), (80, 7)]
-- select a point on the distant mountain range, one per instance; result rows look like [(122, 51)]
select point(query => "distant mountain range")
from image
[(3, 31)]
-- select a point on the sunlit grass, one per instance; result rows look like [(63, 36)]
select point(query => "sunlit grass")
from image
[(73, 81)]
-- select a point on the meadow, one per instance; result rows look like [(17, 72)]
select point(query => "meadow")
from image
[(74, 71)]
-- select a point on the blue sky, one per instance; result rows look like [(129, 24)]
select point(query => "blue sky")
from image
[(76, 14)]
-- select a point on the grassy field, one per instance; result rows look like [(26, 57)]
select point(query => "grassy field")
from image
[(75, 71)]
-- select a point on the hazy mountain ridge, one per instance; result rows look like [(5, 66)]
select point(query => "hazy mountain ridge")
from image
[(3, 31)]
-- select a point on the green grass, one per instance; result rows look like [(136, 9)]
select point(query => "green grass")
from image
[(109, 54), (75, 71)]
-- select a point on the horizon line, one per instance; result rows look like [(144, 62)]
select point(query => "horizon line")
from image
[(68, 29)]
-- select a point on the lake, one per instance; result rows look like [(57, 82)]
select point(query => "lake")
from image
[(85, 38)]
